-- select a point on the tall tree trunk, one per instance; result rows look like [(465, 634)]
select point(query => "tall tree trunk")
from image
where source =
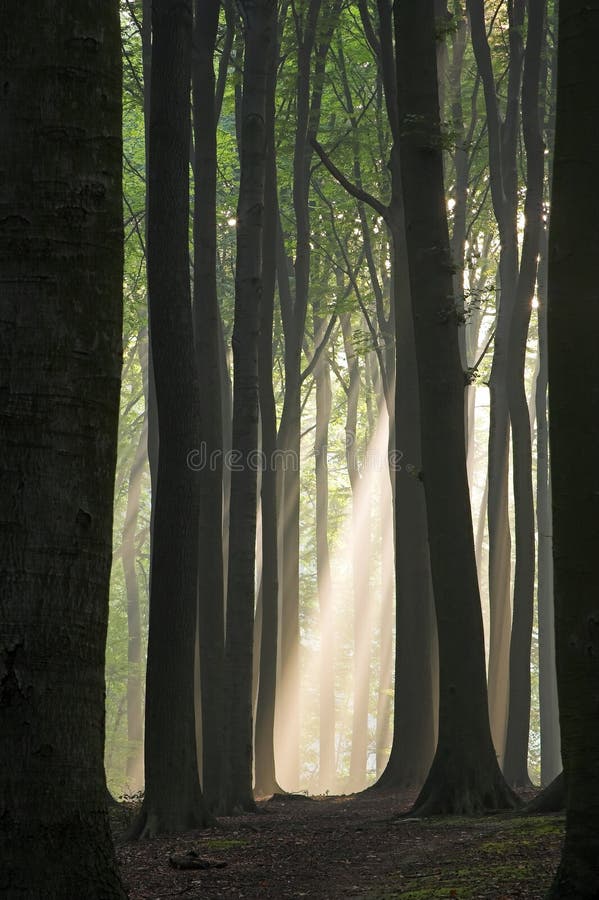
[(503, 138), (208, 350), (173, 799), (134, 674), (322, 374), (516, 750), (293, 313), (573, 325), (265, 781), (61, 270), (551, 760), (259, 24), (360, 533), (464, 776)]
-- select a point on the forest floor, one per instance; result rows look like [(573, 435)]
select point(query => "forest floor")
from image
[(350, 846)]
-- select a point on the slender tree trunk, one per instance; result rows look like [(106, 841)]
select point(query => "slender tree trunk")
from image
[(265, 781), (360, 533), (173, 799), (61, 271), (259, 23), (134, 673), (516, 750), (574, 438), (464, 776), (503, 138), (208, 350), (322, 375), (551, 761)]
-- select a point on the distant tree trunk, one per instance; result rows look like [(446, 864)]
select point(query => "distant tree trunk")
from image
[(259, 24), (516, 750), (322, 374), (464, 776), (386, 668), (293, 313), (573, 325), (208, 350), (266, 781), (503, 143), (61, 271), (134, 674), (173, 799), (362, 619)]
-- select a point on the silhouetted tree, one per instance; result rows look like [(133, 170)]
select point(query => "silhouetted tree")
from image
[(61, 276), (464, 776), (573, 325)]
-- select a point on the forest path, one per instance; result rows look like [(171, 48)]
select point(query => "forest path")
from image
[(349, 846)]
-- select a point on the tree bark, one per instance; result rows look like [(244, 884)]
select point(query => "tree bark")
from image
[(516, 749), (259, 24), (134, 769), (551, 758), (206, 314), (173, 799), (464, 776), (265, 780), (573, 324), (61, 271), (322, 374), (503, 137)]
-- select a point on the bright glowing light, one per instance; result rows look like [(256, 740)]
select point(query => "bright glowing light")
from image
[(535, 303), (450, 204), (232, 221)]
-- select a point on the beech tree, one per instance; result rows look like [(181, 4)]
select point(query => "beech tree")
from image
[(464, 775), (259, 23), (173, 800), (61, 278), (573, 324)]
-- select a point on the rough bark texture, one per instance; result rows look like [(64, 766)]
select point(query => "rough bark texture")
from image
[(464, 776), (573, 325), (173, 800), (236, 790), (61, 268), (211, 610)]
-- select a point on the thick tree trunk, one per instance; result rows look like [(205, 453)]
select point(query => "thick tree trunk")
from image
[(208, 350), (416, 666), (464, 776), (173, 799), (236, 793), (61, 269), (573, 324)]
